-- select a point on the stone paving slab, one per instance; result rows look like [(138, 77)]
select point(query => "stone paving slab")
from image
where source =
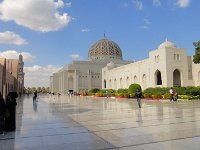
[(89, 123)]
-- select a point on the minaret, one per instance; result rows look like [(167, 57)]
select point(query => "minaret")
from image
[(20, 75)]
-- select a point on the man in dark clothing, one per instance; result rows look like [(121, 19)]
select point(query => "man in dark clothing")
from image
[(35, 95), (138, 95), (2, 113)]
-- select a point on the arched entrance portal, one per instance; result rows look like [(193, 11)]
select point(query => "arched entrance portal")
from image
[(104, 84), (158, 78), (176, 78)]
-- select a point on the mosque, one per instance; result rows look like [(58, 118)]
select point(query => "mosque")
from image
[(105, 68)]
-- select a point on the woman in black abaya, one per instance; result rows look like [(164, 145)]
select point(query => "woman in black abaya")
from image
[(10, 123)]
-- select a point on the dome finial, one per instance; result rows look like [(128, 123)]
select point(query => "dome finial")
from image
[(166, 39), (104, 34)]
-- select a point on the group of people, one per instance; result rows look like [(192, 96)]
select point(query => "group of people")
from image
[(173, 94), (7, 112)]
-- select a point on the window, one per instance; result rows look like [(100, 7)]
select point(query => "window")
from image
[(177, 57), (157, 58)]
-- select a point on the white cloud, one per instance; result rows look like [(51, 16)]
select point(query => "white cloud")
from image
[(59, 4), (75, 56), (146, 24), (182, 3), (138, 4), (85, 30), (13, 54), (9, 37), (146, 21), (69, 4), (38, 15), (38, 76), (145, 27), (156, 2)]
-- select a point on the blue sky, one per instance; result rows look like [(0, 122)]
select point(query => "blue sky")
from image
[(52, 33)]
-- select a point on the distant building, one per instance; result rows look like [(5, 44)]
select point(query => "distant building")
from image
[(11, 75), (167, 66), (82, 76)]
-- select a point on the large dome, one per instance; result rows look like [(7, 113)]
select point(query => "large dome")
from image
[(104, 49)]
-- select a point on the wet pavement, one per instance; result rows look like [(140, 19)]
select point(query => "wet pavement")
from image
[(89, 123)]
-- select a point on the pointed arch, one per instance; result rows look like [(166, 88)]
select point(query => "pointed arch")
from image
[(121, 86), (144, 80), (135, 79), (115, 84), (104, 83), (158, 77), (176, 78)]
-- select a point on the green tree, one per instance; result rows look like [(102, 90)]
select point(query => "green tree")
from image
[(33, 89), (39, 89), (133, 88), (43, 90), (47, 89), (196, 57)]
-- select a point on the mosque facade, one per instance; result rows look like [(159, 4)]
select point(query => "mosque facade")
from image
[(105, 68), (167, 66), (82, 76)]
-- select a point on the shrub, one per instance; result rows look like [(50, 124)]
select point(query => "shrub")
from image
[(90, 93), (184, 96), (157, 90), (111, 91), (111, 94), (147, 95), (132, 95), (95, 90), (126, 95), (166, 96), (120, 94), (194, 97), (100, 94), (122, 91), (133, 88), (157, 96)]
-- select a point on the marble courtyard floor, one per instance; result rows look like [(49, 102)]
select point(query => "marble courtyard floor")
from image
[(86, 123)]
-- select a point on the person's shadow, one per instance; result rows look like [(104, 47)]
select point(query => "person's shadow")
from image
[(139, 117), (35, 106)]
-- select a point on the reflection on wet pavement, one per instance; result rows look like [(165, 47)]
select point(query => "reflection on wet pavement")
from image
[(89, 123)]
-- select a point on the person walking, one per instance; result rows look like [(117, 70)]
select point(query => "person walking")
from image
[(175, 95), (171, 94), (2, 113), (35, 96), (106, 93), (138, 95)]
